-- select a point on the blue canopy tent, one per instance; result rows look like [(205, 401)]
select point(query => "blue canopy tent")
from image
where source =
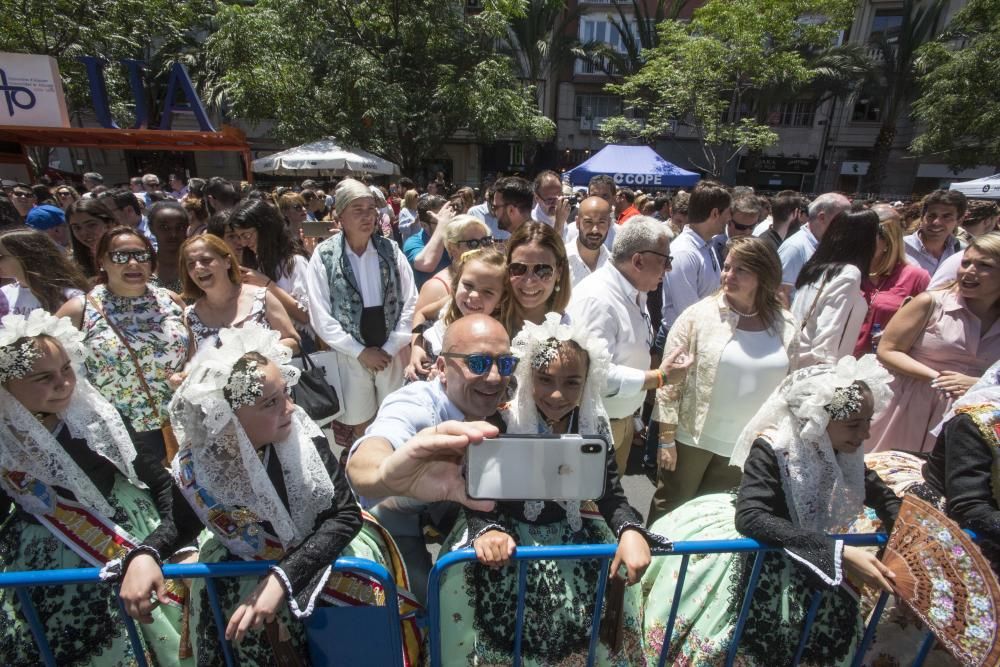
[(631, 166)]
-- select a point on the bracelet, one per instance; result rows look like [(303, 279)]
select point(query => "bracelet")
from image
[(662, 376), (666, 445)]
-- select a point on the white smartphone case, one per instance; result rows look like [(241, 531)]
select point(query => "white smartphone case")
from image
[(539, 467)]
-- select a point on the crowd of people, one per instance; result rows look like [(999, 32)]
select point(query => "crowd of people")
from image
[(780, 362)]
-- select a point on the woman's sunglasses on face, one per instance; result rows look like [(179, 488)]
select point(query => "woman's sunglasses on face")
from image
[(540, 271), (474, 244), (480, 364), (125, 256)]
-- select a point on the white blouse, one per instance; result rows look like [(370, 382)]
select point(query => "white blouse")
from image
[(829, 314)]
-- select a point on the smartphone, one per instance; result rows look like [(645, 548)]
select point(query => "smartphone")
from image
[(537, 467)]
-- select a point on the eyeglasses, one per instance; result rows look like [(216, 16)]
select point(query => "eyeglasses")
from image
[(126, 256), (473, 244), (64, 193), (480, 364), (668, 261), (23, 195), (742, 228), (541, 271)]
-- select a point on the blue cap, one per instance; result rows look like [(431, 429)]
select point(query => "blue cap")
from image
[(45, 217)]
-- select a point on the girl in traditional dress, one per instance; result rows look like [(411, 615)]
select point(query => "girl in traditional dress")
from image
[(66, 461), (560, 379), (259, 474), (803, 478)]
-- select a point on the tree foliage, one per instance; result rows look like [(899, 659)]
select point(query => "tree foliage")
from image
[(959, 104), (708, 75), (637, 32), (397, 77)]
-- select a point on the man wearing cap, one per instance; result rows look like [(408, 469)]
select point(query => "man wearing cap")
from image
[(51, 220), (361, 302)]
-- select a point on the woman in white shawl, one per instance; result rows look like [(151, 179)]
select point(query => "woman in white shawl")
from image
[(804, 479)]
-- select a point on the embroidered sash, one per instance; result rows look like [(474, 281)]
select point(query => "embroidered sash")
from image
[(91, 536), (241, 532)]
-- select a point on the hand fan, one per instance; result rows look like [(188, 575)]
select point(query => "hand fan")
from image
[(944, 578)]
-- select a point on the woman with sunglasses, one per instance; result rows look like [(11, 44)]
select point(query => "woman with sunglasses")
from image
[(740, 340), (295, 211), (66, 195), (135, 336), (538, 277), (560, 375), (890, 280)]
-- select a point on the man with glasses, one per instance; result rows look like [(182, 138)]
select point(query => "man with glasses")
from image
[(612, 303), (586, 253), (746, 211), (411, 456), (551, 206), (23, 198), (513, 198)]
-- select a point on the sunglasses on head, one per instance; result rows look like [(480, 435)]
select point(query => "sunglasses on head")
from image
[(474, 244), (125, 256), (480, 364), (742, 228), (541, 271)]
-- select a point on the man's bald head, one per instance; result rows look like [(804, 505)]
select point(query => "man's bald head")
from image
[(594, 222), (595, 207), (470, 329)]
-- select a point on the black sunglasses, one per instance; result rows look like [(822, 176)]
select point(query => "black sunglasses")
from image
[(742, 228), (480, 363), (541, 271), (474, 244), (125, 256)]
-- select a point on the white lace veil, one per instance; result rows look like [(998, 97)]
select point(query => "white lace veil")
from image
[(531, 346), (825, 488), (225, 462), (27, 446)]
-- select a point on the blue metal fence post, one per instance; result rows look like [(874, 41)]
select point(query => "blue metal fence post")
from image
[(35, 624), (603, 568), (741, 620), (668, 632), (133, 634), (220, 621), (817, 597)]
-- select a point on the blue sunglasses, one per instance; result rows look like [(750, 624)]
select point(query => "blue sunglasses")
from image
[(480, 364)]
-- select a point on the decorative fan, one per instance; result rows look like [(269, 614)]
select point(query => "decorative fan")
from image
[(944, 578)]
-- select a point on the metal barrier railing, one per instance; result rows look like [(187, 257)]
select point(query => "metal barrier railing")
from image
[(21, 582), (684, 550)]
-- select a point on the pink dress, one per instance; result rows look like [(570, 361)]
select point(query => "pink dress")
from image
[(951, 342)]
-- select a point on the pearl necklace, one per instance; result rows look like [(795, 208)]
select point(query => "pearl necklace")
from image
[(743, 315)]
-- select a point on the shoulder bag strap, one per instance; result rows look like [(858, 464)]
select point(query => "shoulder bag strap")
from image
[(812, 308)]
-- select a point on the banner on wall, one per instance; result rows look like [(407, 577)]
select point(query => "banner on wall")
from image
[(31, 92)]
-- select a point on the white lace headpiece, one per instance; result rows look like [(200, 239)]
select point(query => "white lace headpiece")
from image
[(226, 464), (825, 488), (27, 446), (536, 345)]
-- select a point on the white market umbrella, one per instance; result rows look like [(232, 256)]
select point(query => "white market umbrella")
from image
[(324, 157), (981, 188)]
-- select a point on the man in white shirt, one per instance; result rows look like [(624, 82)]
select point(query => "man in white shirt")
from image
[(800, 246), (696, 268), (405, 463), (934, 241), (612, 303), (361, 301), (586, 253), (484, 212)]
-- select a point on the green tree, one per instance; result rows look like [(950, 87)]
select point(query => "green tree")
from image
[(636, 32), (707, 76), (397, 77), (894, 79), (959, 104)]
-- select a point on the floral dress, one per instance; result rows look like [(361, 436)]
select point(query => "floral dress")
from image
[(153, 325), (205, 335)]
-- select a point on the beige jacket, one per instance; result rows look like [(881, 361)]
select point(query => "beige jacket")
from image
[(704, 330)]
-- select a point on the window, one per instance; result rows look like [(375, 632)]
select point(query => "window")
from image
[(792, 114), (866, 109), (591, 110), (886, 25), (598, 30)]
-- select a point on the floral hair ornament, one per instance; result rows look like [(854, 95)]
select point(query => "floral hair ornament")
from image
[(18, 351), (846, 401)]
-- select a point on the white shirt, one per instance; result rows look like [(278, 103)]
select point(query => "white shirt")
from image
[(947, 271), (482, 211), (795, 252), (696, 273), (578, 269), (366, 271), (917, 253), (752, 365), (833, 325), (615, 311), (22, 301), (762, 226), (408, 225)]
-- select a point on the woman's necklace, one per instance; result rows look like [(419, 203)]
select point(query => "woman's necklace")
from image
[(744, 315)]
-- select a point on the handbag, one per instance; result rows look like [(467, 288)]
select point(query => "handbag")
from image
[(314, 393), (170, 444)]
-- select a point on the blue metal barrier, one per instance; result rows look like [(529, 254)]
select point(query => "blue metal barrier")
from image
[(606, 552), (342, 645)]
